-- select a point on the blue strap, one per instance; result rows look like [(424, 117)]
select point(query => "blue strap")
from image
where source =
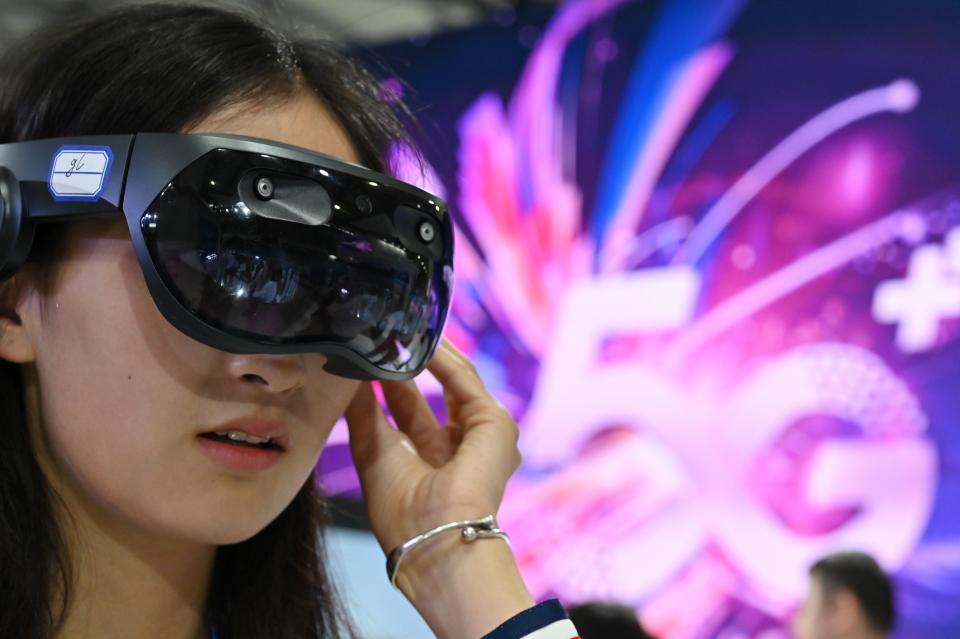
[(526, 622), (530, 620)]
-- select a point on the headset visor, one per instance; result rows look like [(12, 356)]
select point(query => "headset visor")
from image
[(285, 253)]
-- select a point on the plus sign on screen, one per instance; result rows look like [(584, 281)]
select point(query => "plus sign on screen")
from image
[(929, 294)]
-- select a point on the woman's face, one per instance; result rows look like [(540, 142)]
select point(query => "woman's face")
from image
[(123, 395)]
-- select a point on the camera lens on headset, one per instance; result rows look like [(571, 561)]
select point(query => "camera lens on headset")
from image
[(427, 232), (364, 205), (264, 188)]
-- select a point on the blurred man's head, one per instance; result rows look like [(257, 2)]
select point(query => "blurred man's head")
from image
[(598, 620), (850, 597)]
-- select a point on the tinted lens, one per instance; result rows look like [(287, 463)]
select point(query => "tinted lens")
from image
[(280, 252)]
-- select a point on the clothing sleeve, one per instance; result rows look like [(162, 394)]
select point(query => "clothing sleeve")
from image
[(547, 620)]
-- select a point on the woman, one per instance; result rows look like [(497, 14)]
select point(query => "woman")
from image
[(156, 474)]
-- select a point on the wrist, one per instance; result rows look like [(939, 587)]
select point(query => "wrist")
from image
[(463, 590)]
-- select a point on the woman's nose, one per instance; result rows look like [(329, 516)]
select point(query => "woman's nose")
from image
[(272, 374)]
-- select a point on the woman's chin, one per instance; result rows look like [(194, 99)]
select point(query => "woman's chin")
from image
[(207, 530), (238, 530)]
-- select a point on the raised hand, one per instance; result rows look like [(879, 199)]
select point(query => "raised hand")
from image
[(423, 474)]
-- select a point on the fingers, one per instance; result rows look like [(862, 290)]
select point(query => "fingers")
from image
[(369, 429), (410, 410), (453, 408), (469, 406), (457, 375), (468, 401)]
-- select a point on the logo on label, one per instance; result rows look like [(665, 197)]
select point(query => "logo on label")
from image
[(80, 173)]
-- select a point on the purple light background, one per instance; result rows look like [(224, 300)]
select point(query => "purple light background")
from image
[(709, 255)]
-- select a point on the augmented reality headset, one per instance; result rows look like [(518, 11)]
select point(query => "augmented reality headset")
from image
[(251, 246)]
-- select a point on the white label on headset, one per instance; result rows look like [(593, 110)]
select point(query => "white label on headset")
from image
[(80, 172)]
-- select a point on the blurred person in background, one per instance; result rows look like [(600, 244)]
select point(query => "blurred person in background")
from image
[(850, 597), (603, 620)]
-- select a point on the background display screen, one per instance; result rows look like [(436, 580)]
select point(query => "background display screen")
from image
[(708, 253)]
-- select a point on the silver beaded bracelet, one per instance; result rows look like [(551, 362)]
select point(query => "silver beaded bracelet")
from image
[(471, 529)]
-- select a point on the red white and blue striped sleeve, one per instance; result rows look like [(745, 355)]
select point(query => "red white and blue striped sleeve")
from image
[(547, 620)]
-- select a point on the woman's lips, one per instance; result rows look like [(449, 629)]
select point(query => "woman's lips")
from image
[(240, 456), (264, 428)]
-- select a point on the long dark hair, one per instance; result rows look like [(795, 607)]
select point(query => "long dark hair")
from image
[(164, 67)]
